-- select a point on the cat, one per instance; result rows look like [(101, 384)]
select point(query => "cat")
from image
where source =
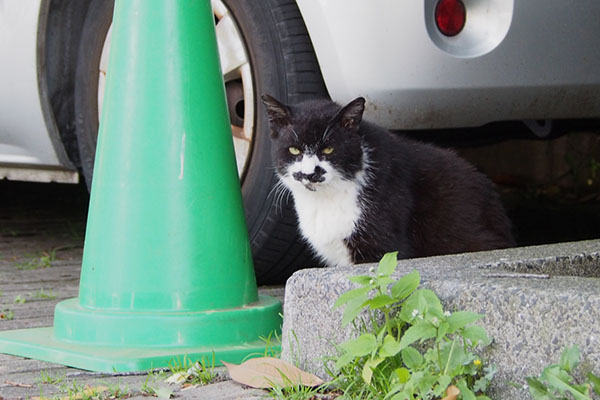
[(361, 191)]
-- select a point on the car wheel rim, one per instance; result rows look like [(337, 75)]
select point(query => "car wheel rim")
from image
[(237, 75)]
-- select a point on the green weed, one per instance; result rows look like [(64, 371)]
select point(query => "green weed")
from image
[(294, 391), (189, 372), (417, 352), (43, 295), (43, 260), (6, 314), (272, 345), (48, 379), (556, 382)]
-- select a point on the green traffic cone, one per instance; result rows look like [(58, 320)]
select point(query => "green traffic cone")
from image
[(167, 269)]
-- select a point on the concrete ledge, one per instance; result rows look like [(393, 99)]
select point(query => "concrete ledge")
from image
[(536, 301)]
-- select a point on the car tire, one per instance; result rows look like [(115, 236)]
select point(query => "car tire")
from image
[(283, 65)]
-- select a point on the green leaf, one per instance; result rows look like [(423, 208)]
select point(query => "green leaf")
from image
[(443, 383), (453, 357), (379, 301), (403, 374), (426, 383), (412, 358), (353, 308), (361, 346), (370, 365), (383, 282), (420, 331), (443, 329), (423, 302), (363, 280), (560, 381), (390, 347), (480, 385), (406, 285), (388, 264), (459, 319), (569, 358), (537, 389), (595, 381), (465, 392), (343, 360), (351, 295), (476, 334)]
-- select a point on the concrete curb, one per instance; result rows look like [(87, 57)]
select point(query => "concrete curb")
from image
[(536, 301)]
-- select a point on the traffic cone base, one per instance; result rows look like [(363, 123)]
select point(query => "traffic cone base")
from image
[(40, 344)]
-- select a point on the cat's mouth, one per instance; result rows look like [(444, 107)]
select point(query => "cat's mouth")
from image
[(309, 181), (310, 186)]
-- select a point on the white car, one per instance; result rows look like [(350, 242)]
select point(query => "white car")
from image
[(420, 64)]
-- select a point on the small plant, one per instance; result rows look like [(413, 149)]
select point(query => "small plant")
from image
[(149, 386), (19, 299), (6, 314), (418, 350), (81, 391), (294, 391), (44, 260), (152, 388), (272, 345), (48, 379), (190, 373), (114, 391), (557, 380), (43, 295)]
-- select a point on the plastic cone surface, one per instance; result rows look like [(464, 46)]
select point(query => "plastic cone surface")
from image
[(167, 269)]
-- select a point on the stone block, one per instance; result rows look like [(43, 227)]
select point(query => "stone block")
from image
[(536, 301)]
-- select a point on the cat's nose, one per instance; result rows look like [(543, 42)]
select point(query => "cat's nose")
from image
[(314, 177)]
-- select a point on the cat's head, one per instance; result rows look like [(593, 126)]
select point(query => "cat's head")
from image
[(316, 143)]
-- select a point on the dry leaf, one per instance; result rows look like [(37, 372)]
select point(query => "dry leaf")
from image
[(452, 393), (266, 372), (178, 377)]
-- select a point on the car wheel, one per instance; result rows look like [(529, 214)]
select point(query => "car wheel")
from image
[(264, 48)]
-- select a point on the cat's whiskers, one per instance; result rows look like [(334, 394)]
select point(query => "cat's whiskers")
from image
[(280, 190)]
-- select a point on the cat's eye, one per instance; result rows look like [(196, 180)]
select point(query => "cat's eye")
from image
[(327, 150), (294, 150)]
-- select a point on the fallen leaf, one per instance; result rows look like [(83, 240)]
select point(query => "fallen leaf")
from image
[(164, 392), (178, 377), (452, 393), (266, 372)]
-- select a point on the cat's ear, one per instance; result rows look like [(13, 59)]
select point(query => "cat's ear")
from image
[(278, 113), (350, 116)]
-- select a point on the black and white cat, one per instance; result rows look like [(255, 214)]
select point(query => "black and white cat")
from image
[(361, 191)]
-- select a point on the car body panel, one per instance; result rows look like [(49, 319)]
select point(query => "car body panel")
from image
[(515, 59), (24, 135)]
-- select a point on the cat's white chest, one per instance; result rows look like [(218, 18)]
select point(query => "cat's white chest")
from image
[(327, 217)]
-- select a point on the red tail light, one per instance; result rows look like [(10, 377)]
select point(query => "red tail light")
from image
[(450, 16)]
